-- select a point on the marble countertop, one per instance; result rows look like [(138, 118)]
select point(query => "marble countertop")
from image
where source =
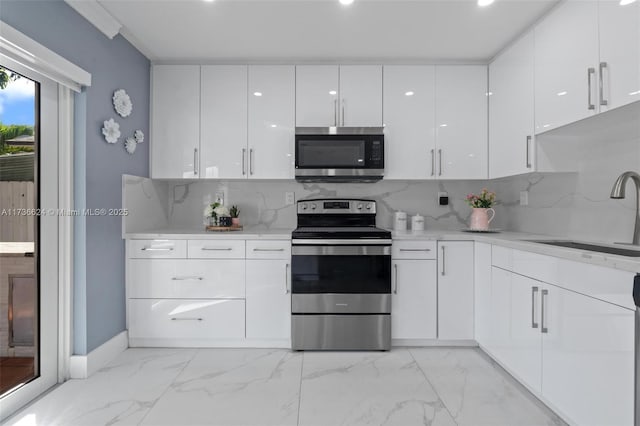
[(247, 233)]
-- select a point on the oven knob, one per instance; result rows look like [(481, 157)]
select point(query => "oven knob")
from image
[(313, 206), (359, 207), (304, 206), (369, 206)]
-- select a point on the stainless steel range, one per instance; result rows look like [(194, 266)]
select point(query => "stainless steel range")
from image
[(340, 277)]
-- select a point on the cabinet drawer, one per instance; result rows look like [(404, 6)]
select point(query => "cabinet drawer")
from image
[(268, 249), (186, 319), (414, 250), (186, 278), (158, 249), (216, 249)]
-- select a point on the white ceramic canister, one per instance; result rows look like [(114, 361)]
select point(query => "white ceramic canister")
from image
[(417, 223), (400, 221)]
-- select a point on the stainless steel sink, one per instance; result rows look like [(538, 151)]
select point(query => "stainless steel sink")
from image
[(620, 251)]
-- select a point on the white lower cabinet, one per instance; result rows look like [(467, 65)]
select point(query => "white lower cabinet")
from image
[(268, 299), (414, 301), (482, 284), (455, 290), (186, 319)]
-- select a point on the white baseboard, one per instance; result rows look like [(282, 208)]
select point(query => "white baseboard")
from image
[(432, 342), (83, 366)]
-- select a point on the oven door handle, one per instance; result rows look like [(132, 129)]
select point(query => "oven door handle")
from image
[(319, 250), (353, 242)]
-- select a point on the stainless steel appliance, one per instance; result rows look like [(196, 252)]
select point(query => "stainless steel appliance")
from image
[(340, 277), (636, 299), (339, 154)]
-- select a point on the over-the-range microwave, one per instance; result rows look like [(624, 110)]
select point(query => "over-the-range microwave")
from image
[(339, 154)]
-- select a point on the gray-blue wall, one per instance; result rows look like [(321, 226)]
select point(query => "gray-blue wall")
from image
[(99, 296)]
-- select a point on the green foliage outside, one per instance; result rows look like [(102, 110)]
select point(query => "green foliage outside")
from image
[(6, 77), (13, 131)]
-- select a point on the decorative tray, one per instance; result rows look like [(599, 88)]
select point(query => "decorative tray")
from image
[(223, 228), (486, 231)]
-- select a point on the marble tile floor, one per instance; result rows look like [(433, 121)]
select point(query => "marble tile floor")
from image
[(406, 386)]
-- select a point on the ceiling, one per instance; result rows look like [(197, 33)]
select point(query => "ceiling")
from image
[(323, 30)]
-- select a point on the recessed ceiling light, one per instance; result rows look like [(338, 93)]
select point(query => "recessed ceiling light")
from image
[(443, 125), (409, 93), (274, 125), (485, 2), (626, 2), (257, 93), (333, 92), (209, 1), (346, 2)]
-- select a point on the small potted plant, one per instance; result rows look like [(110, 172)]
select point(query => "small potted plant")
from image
[(481, 205), (210, 215), (234, 211)]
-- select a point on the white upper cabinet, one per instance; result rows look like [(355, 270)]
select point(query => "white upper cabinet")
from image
[(511, 110), (409, 114), (619, 28), (317, 96), (360, 96), (175, 121), (461, 122), (223, 123), (271, 122), (331, 95), (566, 61)]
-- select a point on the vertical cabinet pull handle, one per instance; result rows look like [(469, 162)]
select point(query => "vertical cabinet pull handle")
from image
[(603, 101), (590, 104), (534, 291), (343, 102), (335, 112), (395, 271), (433, 162), (244, 167), (440, 162), (528, 152), (195, 161), (251, 161), (544, 328), (443, 262), (286, 279)]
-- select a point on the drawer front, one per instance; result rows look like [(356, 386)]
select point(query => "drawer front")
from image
[(216, 249), (414, 250), (268, 249), (186, 319), (502, 257), (157, 249), (186, 278)]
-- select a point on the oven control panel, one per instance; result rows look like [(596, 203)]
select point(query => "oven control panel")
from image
[(336, 207)]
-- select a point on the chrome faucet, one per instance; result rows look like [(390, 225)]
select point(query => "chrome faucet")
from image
[(618, 192)]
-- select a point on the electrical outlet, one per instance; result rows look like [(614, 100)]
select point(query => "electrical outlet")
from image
[(220, 198), (289, 198), (524, 198), (443, 198)]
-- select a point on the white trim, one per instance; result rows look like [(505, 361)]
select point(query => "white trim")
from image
[(97, 15), (142, 342), (433, 342), (32, 55), (83, 366)]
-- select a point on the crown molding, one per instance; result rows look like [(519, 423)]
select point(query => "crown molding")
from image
[(97, 15)]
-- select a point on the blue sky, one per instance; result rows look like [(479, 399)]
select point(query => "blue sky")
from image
[(17, 102)]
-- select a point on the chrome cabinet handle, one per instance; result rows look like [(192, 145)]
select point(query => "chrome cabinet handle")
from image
[(195, 161), (216, 249), (157, 249), (433, 162), (186, 319), (528, 152), (603, 101), (395, 284), (415, 249), (534, 290), (443, 262), (187, 278), (335, 112), (544, 328), (244, 156), (590, 104), (440, 162), (343, 102), (261, 249), (251, 161), (286, 279)]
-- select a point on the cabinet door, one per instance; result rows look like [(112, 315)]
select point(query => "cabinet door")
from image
[(482, 281), (409, 114), (271, 122), (620, 49), (317, 95), (461, 122), (414, 300), (175, 121), (499, 337), (566, 48), (268, 299), (524, 355), (360, 96), (455, 290), (587, 354), (511, 104), (223, 121)]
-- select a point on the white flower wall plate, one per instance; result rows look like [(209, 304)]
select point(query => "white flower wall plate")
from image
[(138, 135), (130, 145), (111, 131), (122, 103)]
